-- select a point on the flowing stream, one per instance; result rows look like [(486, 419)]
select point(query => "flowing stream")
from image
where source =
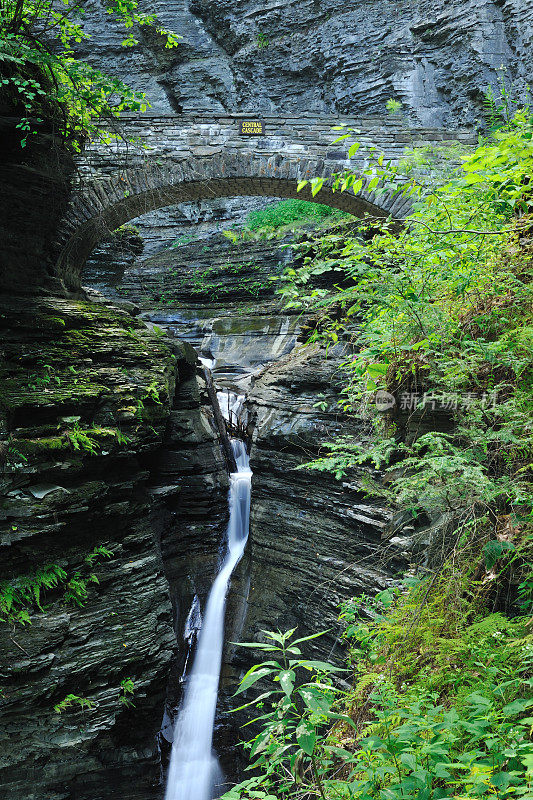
[(193, 765)]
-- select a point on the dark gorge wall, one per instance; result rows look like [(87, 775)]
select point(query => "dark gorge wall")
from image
[(75, 476), (105, 442), (316, 540), (435, 56), (35, 186)]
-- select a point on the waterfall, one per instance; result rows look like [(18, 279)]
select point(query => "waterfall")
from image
[(193, 766)]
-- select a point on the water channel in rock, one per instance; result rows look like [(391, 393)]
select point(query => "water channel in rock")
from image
[(194, 771)]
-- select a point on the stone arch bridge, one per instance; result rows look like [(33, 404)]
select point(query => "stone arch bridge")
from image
[(183, 159)]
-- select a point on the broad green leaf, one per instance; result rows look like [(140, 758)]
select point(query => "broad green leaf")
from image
[(317, 184), (251, 678), (321, 666), (516, 707), (260, 743), (315, 700), (308, 638), (306, 737), (286, 679)]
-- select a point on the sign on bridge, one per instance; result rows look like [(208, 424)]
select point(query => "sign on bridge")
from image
[(251, 127)]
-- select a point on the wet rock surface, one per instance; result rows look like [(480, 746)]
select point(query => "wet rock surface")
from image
[(316, 540), (105, 442), (213, 272), (214, 292)]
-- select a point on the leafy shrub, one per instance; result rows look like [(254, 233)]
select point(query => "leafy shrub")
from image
[(42, 75), (442, 677), (126, 692), (73, 700), (438, 707), (438, 315)]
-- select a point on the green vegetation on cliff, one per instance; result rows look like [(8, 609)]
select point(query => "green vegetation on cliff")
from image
[(436, 323), (287, 213), (25, 593), (439, 705), (439, 320), (42, 77)]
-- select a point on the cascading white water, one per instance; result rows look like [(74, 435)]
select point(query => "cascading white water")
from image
[(193, 766)]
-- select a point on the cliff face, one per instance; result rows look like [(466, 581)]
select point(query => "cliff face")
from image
[(105, 442), (436, 56), (316, 541), (35, 183)]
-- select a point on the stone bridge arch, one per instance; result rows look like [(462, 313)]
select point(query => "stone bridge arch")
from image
[(106, 203)]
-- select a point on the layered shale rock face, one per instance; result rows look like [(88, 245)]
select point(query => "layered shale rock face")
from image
[(102, 424), (215, 292), (436, 56), (316, 541), (205, 273)]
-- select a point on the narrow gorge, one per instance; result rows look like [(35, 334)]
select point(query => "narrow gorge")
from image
[(265, 386)]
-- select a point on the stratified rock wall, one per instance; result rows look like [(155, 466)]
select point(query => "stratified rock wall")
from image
[(316, 541), (436, 56), (105, 441)]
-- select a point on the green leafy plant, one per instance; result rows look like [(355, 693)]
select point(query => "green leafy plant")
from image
[(14, 456), (126, 692), (19, 595), (393, 106), (151, 393), (284, 213), (24, 593), (99, 552), (77, 584), (43, 78), (438, 709), (262, 41), (72, 701), (80, 439), (294, 712), (439, 316), (501, 103)]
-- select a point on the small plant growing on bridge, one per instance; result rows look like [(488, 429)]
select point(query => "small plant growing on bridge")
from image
[(262, 41), (393, 106)]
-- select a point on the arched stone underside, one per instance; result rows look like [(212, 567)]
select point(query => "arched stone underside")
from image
[(107, 203)]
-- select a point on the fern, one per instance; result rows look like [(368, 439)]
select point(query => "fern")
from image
[(80, 440), (98, 551), (20, 595), (77, 589)]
